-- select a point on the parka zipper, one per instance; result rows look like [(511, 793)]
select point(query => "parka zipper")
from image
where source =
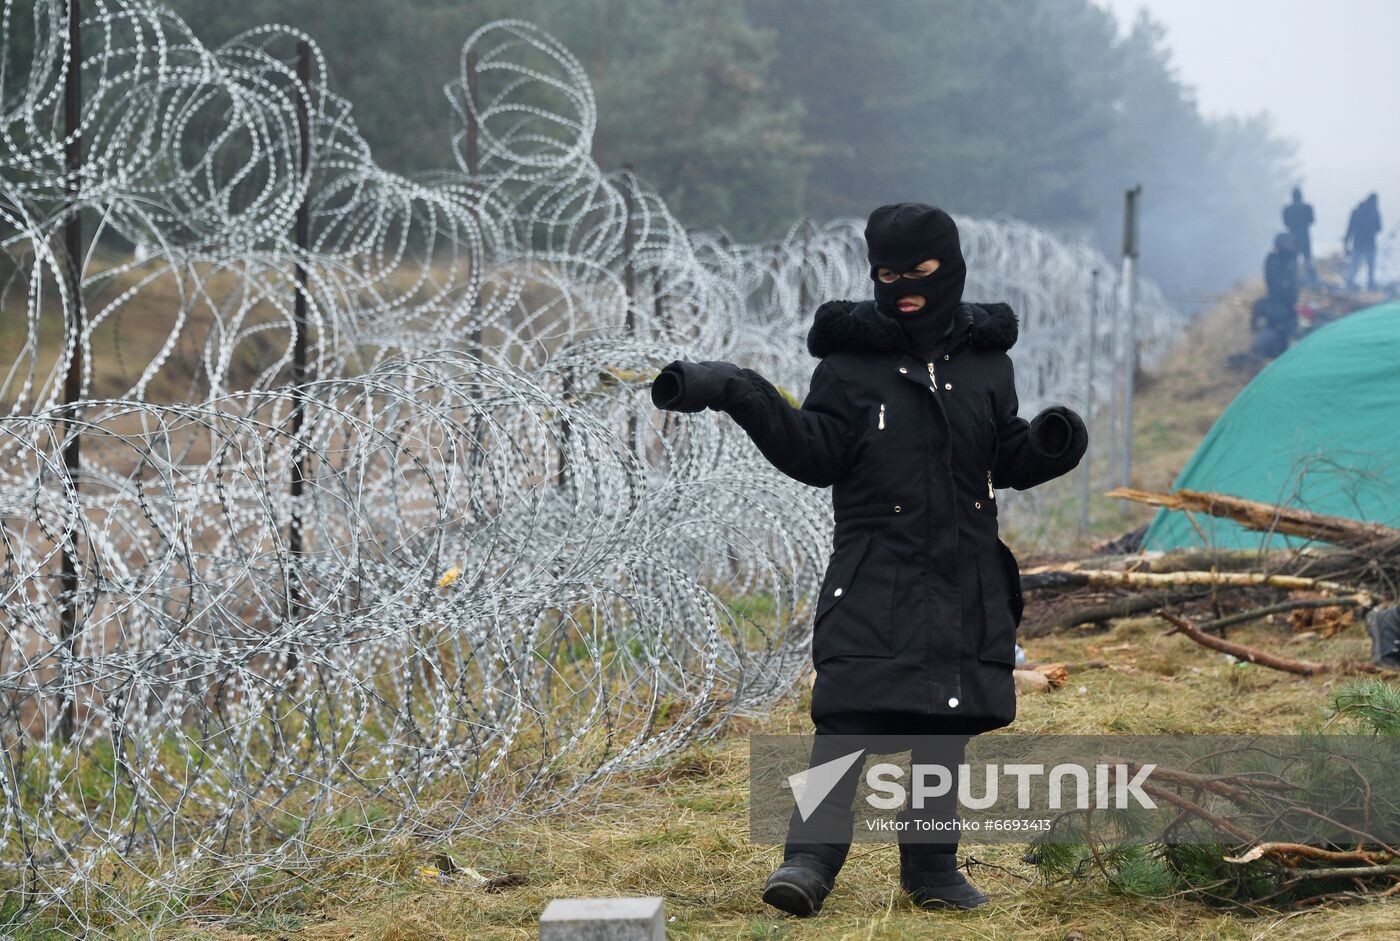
[(882, 416), (933, 383)]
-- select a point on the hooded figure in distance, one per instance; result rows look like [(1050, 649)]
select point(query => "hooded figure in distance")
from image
[(911, 419), (1360, 240), (1274, 318), (1298, 219)]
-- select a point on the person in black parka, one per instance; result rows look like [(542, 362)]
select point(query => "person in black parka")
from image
[(911, 419), (1298, 220), (1363, 227), (1281, 271), (1274, 317)]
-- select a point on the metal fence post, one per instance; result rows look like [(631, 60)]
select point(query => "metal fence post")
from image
[(1085, 466), (802, 267), (73, 381), (300, 349), (474, 171), (629, 282), (1130, 257)]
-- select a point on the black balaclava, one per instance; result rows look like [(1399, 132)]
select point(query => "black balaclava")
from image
[(898, 237)]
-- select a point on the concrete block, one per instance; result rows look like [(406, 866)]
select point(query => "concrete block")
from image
[(605, 919)]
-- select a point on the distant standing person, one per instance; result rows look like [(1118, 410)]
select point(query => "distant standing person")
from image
[(1360, 240), (1281, 272), (1274, 318), (1298, 220)]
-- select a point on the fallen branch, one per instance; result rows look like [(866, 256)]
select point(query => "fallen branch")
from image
[(1283, 850), (1345, 872), (1240, 651), (1266, 517), (1196, 810), (1224, 786), (1361, 600)]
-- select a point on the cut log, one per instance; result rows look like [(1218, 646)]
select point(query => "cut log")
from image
[(1056, 673), (1362, 600), (1031, 681), (1099, 578), (1069, 667), (1178, 560), (1266, 517), (1106, 611)]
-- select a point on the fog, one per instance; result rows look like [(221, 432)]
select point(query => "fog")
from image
[(1325, 72)]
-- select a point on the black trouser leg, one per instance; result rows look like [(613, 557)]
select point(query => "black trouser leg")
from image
[(948, 751), (835, 815), (929, 741), (1308, 264)]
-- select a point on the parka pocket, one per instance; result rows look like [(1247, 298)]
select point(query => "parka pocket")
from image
[(853, 613), (1000, 609)]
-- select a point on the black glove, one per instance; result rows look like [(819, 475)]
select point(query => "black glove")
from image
[(1058, 431), (835, 307), (685, 386)]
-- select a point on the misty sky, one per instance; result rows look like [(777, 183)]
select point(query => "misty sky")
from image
[(1327, 72)]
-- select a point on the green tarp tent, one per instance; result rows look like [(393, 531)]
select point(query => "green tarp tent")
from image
[(1318, 429)]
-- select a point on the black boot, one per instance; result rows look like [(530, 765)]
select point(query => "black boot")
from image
[(799, 885), (933, 880)]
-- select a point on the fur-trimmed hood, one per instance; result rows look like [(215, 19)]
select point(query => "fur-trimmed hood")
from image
[(846, 327)]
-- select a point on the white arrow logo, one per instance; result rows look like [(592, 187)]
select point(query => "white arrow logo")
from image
[(810, 787)]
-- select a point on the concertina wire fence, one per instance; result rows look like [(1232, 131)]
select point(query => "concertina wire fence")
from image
[(510, 575)]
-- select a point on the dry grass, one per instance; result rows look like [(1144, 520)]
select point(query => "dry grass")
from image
[(682, 831)]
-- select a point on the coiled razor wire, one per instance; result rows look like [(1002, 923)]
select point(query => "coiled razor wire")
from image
[(511, 575)]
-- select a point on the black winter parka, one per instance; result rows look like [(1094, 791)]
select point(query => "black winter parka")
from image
[(920, 600)]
